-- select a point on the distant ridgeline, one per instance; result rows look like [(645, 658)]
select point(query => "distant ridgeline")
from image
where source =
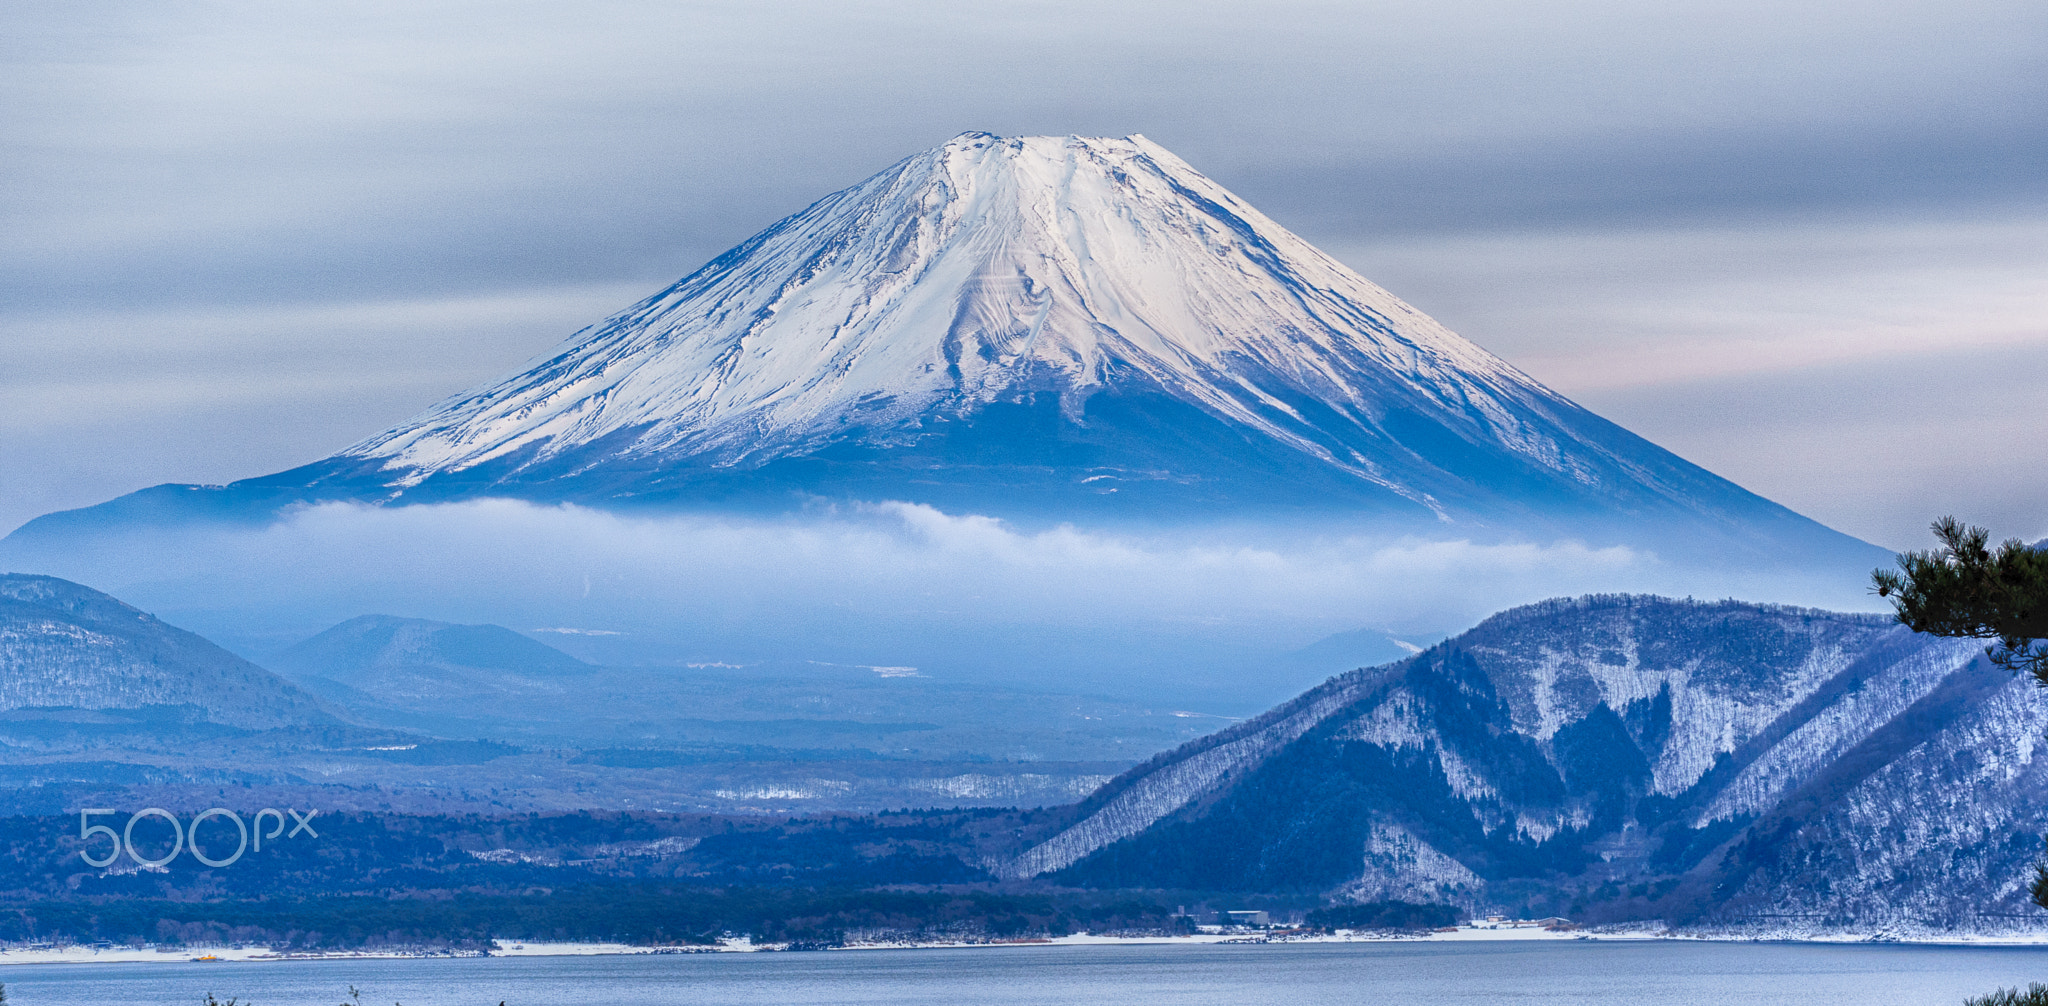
[(1602, 759)]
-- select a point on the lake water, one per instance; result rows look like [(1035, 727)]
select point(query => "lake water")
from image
[(1382, 974)]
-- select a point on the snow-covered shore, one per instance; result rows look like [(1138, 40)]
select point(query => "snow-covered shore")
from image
[(78, 954)]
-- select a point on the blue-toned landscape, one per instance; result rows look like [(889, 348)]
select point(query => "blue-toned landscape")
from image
[(1034, 563)]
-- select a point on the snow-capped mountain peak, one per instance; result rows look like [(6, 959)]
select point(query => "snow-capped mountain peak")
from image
[(1040, 328), (976, 270)]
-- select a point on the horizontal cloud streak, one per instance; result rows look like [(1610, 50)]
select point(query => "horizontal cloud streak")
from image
[(234, 151), (1871, 373), (1589, 310)]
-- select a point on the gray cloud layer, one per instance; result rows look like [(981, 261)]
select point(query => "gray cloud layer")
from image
[(247, 150)]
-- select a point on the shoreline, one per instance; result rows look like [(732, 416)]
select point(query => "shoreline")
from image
[(25, 956)]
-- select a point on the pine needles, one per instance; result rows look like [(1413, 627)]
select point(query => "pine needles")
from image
[(2035, 995)]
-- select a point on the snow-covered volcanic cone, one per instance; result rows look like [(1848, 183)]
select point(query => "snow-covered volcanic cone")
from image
[(1036, 327)]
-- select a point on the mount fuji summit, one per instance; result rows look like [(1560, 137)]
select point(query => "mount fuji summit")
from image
[(1036, 328)]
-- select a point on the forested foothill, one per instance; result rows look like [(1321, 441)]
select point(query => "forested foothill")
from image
[(430, 881)]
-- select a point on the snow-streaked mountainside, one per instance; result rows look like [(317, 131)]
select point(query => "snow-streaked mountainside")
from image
[(1034, 326), (67, 649), (1613, 757), (974, 273)]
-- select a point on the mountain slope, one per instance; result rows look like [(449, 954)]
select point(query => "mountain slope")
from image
[(422, 674), (1609, 758), (980, 272), (377, 642), (1027, 326), (68, 647)]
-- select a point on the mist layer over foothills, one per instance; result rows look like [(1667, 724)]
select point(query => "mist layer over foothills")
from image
[(987, 549), (1609, 759)]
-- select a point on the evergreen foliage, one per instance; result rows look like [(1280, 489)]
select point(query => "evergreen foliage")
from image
[(2035, 995), (644, 913), (1966, 588)]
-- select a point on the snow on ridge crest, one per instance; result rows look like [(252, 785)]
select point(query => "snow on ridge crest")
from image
[(970, 273)]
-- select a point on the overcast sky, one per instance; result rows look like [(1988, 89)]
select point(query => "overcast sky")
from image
[(1804, 245)]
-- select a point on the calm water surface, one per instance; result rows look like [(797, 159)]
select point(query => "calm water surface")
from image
[(1383, 974)]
